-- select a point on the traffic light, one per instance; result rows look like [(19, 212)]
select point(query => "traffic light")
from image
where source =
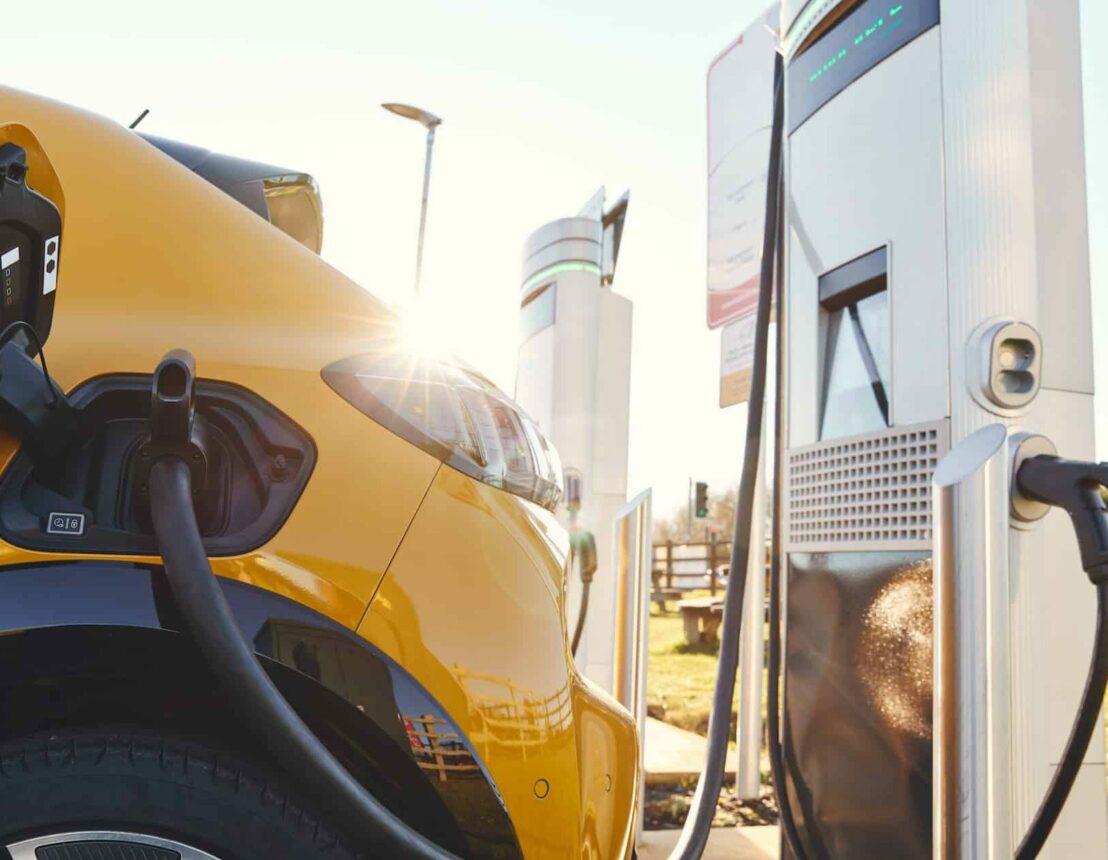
[(701, 500)]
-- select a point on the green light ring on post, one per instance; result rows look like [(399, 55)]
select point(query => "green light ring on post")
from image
[(557, 269)]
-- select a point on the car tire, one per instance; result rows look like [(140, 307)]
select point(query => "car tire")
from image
[(169, 795)]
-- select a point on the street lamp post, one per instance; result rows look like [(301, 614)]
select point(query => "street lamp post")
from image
[(429, 121)]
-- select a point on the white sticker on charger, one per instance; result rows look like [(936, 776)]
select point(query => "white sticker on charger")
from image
[(9, 258)]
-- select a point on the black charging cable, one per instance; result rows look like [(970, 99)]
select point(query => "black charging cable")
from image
[(698, 824), (32, 406), (9, 331), (582, 554), (1077, 488), (209, 620)]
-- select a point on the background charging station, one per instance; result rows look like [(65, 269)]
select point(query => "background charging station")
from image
[(573, 378)]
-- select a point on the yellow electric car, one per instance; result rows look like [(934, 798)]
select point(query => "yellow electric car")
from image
[(379, 523)]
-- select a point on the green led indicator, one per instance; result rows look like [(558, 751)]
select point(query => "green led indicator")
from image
[(878, 24), (819, 72), (878, 28), (558, 268)]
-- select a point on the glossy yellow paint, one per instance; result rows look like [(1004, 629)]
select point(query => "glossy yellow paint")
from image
[(153, 258), (473, 607)]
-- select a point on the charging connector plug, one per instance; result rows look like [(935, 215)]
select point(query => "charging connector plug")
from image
[(1076, 487), (175, 428), (582, 555), (33, 407)]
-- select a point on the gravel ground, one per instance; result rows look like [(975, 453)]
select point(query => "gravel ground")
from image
[(668, 805)]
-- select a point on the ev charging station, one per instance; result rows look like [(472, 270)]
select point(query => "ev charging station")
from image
[(936, 331), (573, 378)]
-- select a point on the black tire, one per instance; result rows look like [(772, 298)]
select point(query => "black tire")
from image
[(163, 786)]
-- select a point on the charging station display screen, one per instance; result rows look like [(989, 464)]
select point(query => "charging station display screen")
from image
[(861, 40)]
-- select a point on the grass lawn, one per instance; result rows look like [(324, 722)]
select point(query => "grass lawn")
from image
[(680, 677), (680, 681)]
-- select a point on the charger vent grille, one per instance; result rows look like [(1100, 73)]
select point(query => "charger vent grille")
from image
[(870, 492)]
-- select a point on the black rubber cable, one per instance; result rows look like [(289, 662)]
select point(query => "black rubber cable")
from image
[(243, 680), (22, 325), (698, 824), (581, 613), (1087, 721)]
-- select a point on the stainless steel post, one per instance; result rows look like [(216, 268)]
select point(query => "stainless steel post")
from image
[(748, 779), (972, 661)]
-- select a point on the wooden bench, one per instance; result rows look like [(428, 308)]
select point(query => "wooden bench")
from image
[(660, 596), (702, 617)]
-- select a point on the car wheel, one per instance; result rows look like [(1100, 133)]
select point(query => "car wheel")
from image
[(80, 795)]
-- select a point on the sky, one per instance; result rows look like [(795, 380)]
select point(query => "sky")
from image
[(542, 103)]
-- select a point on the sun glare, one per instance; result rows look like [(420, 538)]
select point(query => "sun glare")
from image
[(426, 330)]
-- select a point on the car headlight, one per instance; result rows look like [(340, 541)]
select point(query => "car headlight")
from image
[(454, 414)]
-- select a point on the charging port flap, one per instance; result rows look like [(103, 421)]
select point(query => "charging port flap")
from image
[(253, 462)]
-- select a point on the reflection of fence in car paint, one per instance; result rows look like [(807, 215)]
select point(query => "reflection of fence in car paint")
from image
[(512, 716), (440, 752)]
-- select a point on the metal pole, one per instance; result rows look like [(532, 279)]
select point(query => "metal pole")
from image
[(711, 568), (688, 530), (423, 206), (972, 717), (748, 779)]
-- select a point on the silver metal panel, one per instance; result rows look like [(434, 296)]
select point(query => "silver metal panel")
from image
[(804, 335), (563, 229), (632, 559), (864, 172), (869, 492), (1061, 225), (972, 666), (1003, 260), (988, 177)]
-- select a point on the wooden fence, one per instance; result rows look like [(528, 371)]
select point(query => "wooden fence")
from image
[(678, 562)]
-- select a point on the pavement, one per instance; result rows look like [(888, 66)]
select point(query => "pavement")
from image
[(725, 843), (672, 754)]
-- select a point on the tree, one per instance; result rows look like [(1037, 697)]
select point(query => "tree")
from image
[(677, 527), (721, 514)]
